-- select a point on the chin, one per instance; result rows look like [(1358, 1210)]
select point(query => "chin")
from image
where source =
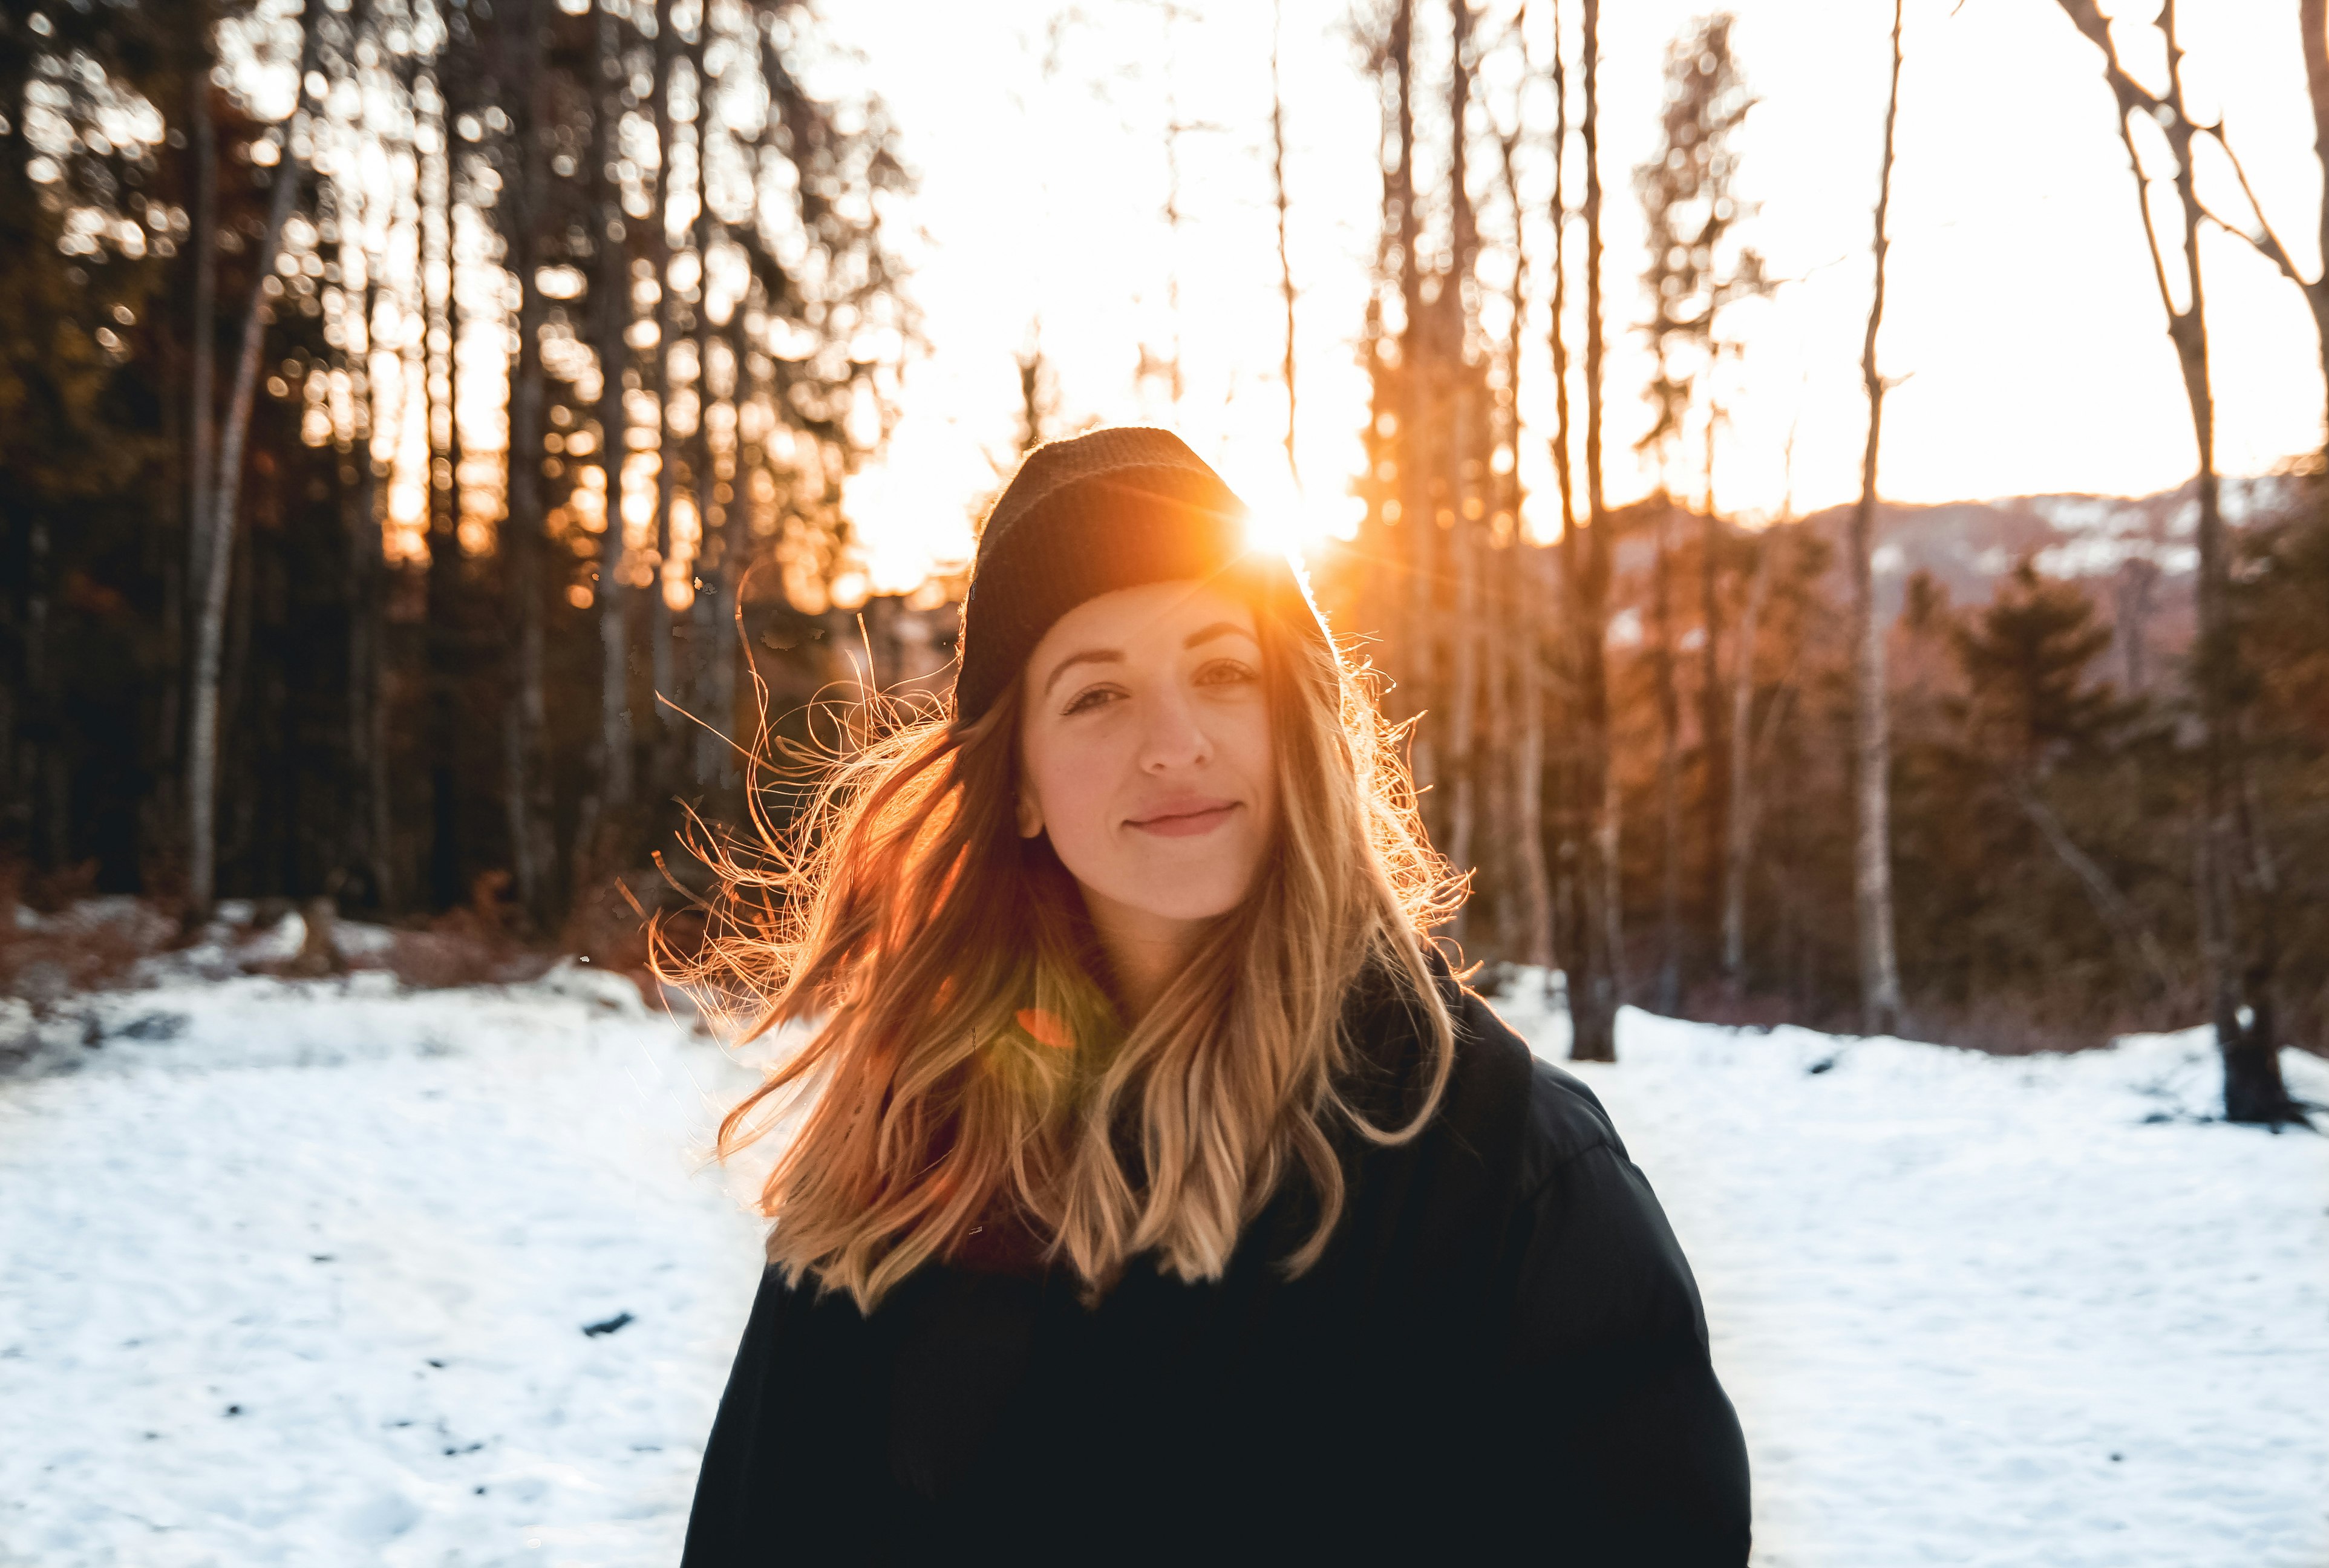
[(1184, 892), (1191, 909)]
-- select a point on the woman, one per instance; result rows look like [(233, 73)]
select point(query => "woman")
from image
[(1153, 1190)]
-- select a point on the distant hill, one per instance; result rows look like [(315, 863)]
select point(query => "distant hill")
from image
[(2136, 555)]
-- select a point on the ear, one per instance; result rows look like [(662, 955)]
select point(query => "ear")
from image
[(1030, 812)]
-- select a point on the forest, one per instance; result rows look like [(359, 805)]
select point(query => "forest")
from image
[(424, 430)]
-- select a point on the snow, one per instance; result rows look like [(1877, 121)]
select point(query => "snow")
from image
[(1996, 1311), (300, 1274), (303, 1273)]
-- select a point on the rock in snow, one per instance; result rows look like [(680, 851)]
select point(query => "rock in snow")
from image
[(297, 1279)]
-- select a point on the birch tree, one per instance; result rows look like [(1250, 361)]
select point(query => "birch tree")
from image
[(212, 540), (2238, 883), (1872, 879)]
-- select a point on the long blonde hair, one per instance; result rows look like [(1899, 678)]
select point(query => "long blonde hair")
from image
[(964, 1064)]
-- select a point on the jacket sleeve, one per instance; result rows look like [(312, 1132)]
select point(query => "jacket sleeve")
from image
[(1617, 1414), (791, 1451)]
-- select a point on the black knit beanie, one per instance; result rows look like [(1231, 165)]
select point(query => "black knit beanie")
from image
[(1116, 508)]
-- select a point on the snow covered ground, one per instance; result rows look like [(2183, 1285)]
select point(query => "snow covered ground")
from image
[(304, 1276), (304, 1273), (1997, 1310)]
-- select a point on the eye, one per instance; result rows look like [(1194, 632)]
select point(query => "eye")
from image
[(1226, 672), (1089, 699)]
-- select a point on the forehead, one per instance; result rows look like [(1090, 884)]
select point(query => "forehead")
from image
[(1153, 617)]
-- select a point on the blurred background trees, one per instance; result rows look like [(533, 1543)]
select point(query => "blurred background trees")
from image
[(425, 428), (404, 403), (1792, 725)]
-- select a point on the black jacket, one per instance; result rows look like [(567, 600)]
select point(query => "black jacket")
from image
[(1501, 1356)]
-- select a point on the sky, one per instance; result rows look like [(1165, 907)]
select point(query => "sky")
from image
[(2022, 324)]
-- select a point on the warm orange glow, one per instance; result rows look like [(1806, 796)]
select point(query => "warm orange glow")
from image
[(1998, 221), (1045, 1028)]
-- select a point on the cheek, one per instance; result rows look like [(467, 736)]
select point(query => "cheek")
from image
[(1257, 764), (1071, 784)]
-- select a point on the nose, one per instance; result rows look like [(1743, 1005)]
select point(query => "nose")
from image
[(1171, 737)]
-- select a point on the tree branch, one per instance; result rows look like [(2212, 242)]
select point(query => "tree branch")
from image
[(2124, 921), (2265, 242)]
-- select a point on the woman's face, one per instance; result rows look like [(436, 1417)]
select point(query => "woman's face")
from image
[(1144, 750)]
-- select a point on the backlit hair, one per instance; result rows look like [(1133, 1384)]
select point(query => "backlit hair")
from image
[(963, 1064)]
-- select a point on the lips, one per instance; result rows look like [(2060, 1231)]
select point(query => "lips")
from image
[(1184, 818)]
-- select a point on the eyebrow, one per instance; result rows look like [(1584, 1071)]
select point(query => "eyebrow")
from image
[(1110, 655)]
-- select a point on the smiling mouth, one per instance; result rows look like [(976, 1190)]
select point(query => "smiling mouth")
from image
[(1186, 824)]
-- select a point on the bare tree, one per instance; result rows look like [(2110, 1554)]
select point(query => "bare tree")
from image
[(1688, 210), (1416, 625), (1739, 824), (1871, 878), (2313, 46), (662, 665), (611, 310), (1285, 256), (202, 414), (2239, 884), (213, 540), (711, 610), (1531, 922), (523, 39), (1716, 740), (449, 89), (1667, 993), (1738, 836), (1597, 988), (1462, 460), (371, 814)]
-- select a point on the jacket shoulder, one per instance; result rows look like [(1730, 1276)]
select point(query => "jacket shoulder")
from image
[(1563, 1117), (1516, 1119)]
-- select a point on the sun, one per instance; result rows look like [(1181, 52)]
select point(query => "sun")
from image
[(1284, 520)]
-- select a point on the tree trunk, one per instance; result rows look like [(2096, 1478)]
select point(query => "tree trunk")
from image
[(1461, 476), (202, 397), (1880, 978), (1463, 741), (48, 787), (368, 695), (1739, 839), (2240, 935), (610, 303), (709, 733), (1715, 739), (358, 495), (725, 650), (216, 556), (1525, 649), (1593, 1005), (444, 654), (662, 774), (533, 855), (1499, 629), (1416, 627), (1662, 655)]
